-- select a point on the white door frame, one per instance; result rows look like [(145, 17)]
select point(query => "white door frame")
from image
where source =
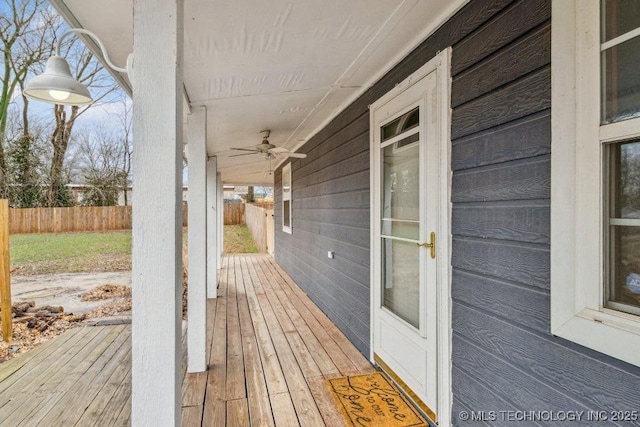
[(441, 103)]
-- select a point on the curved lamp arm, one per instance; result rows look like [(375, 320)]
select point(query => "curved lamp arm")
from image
[(57, 86), (102, 48)]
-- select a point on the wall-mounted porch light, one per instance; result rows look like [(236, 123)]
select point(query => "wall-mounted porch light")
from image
[(56, 85)]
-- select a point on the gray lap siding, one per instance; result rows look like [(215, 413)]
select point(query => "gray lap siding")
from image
[(504, 357)]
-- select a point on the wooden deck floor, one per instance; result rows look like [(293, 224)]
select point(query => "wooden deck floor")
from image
[(270, 350), (82, 377), (280, 348)]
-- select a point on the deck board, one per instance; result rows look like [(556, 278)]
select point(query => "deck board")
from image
[(31, 392), (74, 386), (67, 379), (14, 366), (257, 394), (269, 349), (20, 373), (235, 382)]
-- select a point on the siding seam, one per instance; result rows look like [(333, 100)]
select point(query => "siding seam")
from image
[(541, 158), (475, 66), (507, 282), (504, 86), (503, 242), (519, 203), (545, 336)]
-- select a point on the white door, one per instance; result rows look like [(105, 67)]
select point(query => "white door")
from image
[(406, 203)]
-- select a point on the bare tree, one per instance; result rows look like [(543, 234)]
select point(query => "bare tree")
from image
[(88, 71), (101, 167), (126, 143), (26, 30)]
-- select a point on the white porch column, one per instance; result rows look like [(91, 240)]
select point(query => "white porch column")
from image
[(197, 296), (212, 228), (157, 216), (220, 219)]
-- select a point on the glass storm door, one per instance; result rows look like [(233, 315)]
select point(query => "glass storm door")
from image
[(405, 185)]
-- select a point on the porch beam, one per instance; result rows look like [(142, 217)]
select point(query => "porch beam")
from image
[(157, 217), (197, 232), (220, 218), (212, 228)]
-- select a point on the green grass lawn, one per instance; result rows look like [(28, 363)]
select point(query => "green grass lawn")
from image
[(238, 240), (70, 252), (94, 251)]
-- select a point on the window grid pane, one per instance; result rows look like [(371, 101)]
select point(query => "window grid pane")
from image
[(623, 288), (286, 198), (620, 37), (619, 17), (621, 82), (402, 124), (620, 100)]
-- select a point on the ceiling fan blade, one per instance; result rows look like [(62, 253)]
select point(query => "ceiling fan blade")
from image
[(296, 155), (246, 149), (279, 150), (245, 154)]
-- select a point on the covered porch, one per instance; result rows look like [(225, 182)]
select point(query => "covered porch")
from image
[(210, 80), (269, 351)]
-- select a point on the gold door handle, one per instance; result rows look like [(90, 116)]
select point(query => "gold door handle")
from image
[(431, 245)]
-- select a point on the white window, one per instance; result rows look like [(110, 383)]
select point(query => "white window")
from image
[(595, 175), (286, 198)]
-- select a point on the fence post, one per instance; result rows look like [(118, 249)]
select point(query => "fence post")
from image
[(5, 280)]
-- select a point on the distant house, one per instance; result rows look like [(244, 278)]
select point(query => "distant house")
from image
[(460, 213), (239, 192), (78, 191), (233, 192)]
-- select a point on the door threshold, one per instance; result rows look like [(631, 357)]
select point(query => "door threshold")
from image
[(406, 390)]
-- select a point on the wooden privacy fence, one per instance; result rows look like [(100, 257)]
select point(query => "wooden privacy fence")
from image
[(76, 218), (93, 218), (233, 213), (260, 224)]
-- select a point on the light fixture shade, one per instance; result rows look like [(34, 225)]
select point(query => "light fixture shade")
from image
[(56, 85)]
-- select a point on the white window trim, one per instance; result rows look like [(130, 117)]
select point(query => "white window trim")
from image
[(286, 170), (577, 272)]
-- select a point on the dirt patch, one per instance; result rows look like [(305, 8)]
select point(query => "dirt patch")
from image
[(107, 292), (98, 263), (43, 305), (70, 290), (112, 308), (65, 289)]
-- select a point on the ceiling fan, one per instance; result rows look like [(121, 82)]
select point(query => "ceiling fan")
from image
[(268, 150)]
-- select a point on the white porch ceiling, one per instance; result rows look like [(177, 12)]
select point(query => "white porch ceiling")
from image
[(289, 66)]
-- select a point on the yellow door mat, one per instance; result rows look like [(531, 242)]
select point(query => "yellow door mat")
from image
[(371, 400)]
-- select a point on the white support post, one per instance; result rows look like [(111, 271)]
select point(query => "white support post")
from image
[(157, 217), (220, 219), (212, 228), (197, 295)]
